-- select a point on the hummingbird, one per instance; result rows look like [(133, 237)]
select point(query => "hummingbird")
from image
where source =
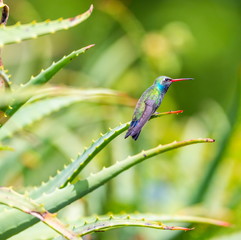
[(148, 103)]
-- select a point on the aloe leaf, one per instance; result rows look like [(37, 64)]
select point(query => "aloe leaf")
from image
[(83, 187), (172, 218), (11, 222), (23, 203), (69, 173), (36, 109), (105, 223), (18, 32), (112, 222), (36, 93), (44, 77), (6, 97)]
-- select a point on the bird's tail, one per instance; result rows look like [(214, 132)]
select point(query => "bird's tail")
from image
[(134, 130), (134, 133)]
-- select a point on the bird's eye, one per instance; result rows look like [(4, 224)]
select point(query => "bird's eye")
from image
[(167, 79)]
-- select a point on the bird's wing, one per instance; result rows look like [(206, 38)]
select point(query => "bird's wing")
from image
[(136, 126), (150, 108), (146, 106)]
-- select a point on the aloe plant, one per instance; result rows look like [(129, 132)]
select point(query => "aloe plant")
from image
[(33, 101)]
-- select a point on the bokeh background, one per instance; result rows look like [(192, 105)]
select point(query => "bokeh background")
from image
[(137, 41)]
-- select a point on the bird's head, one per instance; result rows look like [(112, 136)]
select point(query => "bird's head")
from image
[(164, 82)]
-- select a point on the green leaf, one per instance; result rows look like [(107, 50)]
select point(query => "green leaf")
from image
[(23, 203), (18, 32), (83, 187), (14, 200), (42, 78), (176, 218), (36, 109), (69, 173), (45, 75), (6, 97), (104, 223)]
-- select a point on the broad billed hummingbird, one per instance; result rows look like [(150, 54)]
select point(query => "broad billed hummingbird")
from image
[(148, 103)]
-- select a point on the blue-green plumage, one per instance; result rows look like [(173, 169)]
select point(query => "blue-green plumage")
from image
[(148, 104)]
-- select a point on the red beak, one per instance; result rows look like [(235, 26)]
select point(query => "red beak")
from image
[(181, 79)]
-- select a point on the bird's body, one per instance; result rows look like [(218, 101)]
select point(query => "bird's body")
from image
[(148, 103)]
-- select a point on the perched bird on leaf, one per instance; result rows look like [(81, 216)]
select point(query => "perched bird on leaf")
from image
[(148, 103)]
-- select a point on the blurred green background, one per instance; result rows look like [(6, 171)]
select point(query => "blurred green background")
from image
[(136, 41)]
